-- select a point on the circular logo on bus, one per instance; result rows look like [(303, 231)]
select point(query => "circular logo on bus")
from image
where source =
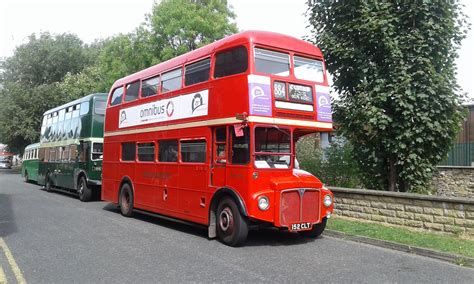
[(169, 108)]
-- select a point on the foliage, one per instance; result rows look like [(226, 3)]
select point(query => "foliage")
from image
[(30, 86), (393, 64), (179, 26), (334, 165), (46, 59)]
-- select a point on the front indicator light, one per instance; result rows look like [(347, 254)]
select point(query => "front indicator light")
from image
[(327, 200), (263, 203)]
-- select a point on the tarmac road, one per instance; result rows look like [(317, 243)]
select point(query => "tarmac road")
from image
[(55, 238)]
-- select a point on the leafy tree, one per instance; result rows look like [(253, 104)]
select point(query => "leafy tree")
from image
[(179, 26), (46, 59), (393, 64), (29, 81)]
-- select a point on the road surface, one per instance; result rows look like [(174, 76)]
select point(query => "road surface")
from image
[(55, 238)]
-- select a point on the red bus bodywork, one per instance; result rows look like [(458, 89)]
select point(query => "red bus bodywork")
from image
[(191, 190)]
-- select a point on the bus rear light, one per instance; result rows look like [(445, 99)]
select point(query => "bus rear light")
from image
[(263, 203)]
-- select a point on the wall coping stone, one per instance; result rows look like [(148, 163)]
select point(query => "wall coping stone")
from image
[(402, 195), (456, 167)]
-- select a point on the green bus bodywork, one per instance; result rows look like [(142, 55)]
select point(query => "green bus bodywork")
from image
[(70, 151), (29, 167)]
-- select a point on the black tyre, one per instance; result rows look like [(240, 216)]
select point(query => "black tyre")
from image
[(126, 200), (85, 193), (48, 185), (316, 231), (232, 227), (26, 176)]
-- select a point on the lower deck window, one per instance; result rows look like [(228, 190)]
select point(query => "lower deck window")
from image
[(168, 151), (146, 152), (128, 151), (193, 151)]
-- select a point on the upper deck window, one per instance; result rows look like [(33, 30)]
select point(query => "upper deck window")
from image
[(308, 69), (116, 96), (197, 72), (99, 107), (150, 87), (132, 91), (171, 80), (272, 62), (230, 62)]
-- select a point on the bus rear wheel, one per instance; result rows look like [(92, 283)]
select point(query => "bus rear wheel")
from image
[(232, 227), (126, 200), (316, 231), (85, 193)]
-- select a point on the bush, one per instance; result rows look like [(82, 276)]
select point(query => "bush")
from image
[(334, 165)]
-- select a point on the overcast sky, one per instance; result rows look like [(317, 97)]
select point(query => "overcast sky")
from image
[(96, 19)]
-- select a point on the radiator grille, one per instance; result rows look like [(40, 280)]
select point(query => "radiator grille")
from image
[(299, 205)]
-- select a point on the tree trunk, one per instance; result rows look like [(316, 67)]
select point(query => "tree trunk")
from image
[(392, 175)]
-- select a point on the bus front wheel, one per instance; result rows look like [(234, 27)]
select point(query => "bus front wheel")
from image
[(232, 227), (85, 193), (316, 231), (126, 200), (26, 176)]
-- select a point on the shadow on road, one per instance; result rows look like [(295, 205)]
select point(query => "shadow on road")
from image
[(9, 171), (7, 220), (262, 237)]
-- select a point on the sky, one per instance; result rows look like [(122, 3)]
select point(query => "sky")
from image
[(99, 19)]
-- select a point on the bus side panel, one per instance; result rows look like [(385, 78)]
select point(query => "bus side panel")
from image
[(193, 190)]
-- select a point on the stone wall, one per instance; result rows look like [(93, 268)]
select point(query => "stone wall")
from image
[(454, 181), (423, 212)]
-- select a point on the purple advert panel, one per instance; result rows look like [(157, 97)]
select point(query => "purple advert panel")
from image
[(260, 97), (323, 104)]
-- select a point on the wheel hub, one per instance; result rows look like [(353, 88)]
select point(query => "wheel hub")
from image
[(226, 220)]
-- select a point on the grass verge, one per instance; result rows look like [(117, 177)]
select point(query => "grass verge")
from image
[(449, 244)]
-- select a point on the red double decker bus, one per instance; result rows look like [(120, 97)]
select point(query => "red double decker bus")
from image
[(209, 137)]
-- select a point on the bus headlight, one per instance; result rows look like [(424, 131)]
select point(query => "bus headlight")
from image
[(327, 200), (263, 203)]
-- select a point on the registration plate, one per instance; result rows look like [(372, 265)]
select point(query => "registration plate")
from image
[(300, 227)]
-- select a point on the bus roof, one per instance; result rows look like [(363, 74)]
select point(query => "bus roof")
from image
[(32, 146), (80, 100), (256, 37)]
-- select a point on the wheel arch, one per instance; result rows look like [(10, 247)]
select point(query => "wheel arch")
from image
[(78, 173), (124, 180), (218, 195)]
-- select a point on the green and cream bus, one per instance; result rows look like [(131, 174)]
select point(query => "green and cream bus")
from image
[(29, 167), (71, 143)]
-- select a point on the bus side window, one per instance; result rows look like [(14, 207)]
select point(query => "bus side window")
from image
[(197, 72), (132, 91), (172, 80), (168, 150), (240, 147), (193, 151), (230, 62), (116, 96), (129, 151), (150, 87)]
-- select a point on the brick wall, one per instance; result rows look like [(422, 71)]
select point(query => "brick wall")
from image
[(424, 212)]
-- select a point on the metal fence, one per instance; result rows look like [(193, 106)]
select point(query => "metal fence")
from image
[(460, 154)]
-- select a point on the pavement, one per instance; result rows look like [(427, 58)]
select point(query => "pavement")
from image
[(55, 238)]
